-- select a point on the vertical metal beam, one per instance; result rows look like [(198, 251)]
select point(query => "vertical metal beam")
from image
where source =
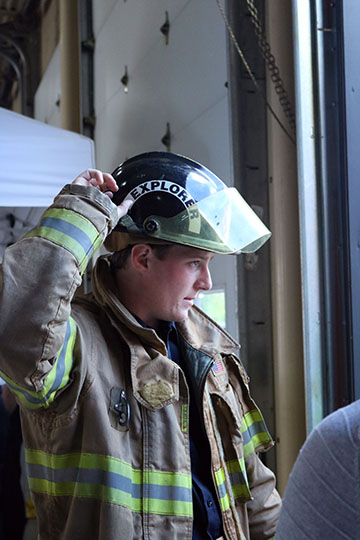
[(87, 47), (324, 206), (351, 16), (332, 176), (285, 254), (70, 86), (248, 118), (309, 211)]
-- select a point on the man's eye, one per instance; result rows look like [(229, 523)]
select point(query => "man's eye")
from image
[(195, 264)]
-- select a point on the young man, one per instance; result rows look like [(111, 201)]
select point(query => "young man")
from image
[(136, 412)]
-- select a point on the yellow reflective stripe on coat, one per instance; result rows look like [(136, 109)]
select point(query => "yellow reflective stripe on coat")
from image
[(239, 483), (222, 492), (55, 380), (238, 478), (71, 231), (255, 435), (110, 480), (254, 432)]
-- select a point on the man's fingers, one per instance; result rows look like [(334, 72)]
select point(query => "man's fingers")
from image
[(105, 182), (124, 207), (98, 179), (89, 177), (110, 182)]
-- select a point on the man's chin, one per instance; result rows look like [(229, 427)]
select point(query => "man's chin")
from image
[(181, 317)]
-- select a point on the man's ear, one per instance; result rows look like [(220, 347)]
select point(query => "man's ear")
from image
[(141, 255)]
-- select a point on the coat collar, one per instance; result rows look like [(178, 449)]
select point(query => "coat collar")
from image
[(155, 378)]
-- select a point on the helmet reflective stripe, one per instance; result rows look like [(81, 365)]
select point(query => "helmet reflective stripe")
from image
[(70, 230), (55, 380), (110, 480)]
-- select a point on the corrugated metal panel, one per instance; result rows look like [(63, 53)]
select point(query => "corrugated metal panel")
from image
[(181, 82)]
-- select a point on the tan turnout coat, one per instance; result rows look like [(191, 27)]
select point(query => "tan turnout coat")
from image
[(79, 366)]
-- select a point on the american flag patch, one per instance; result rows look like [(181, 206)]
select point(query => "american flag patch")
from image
[(218, 367)]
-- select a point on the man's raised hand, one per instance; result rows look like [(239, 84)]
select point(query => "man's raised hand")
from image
[(105, 183)]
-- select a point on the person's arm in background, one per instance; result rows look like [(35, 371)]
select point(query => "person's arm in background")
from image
[(322, 497)]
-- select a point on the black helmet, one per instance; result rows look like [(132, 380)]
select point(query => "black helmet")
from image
[(179, 200)]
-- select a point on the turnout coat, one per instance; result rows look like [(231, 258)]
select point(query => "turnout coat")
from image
[(104, 411)]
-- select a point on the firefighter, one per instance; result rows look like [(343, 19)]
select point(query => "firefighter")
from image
[(136, 412)]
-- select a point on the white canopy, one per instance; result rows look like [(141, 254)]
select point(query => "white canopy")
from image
[(37, 160)]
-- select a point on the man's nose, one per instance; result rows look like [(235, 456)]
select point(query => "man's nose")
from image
[(205, 282)]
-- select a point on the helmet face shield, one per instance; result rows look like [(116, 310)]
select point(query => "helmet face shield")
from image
[(222, 223)]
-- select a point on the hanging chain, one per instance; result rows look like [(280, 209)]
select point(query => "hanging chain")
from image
[(271, 64), (252, 77)]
